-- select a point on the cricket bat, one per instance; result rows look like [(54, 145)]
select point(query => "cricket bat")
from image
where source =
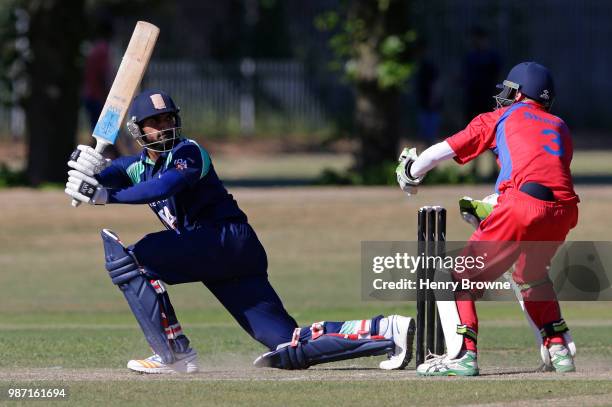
[(130, 73)]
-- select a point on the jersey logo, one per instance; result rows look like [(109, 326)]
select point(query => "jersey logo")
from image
[(180, 164)]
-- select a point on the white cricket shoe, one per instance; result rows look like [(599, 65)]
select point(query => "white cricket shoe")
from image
[(403, 335), (561, 359), (440, 365), (185, 363)]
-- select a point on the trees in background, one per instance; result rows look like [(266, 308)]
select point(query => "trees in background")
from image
[(41, 65), (53, 98), (372, 43), (41, 47), (43, 54)]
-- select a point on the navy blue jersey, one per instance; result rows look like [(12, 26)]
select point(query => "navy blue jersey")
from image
[(182, 187)]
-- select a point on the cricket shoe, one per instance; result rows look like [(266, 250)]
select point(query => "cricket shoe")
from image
[(403, 335), (561, 359), (185, 363), (439, 365)]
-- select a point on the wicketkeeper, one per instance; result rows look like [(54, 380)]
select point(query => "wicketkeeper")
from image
[(535, 201), (208, 240)]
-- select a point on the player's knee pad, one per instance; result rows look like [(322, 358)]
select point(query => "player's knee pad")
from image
[(325, 348), (120, 264)]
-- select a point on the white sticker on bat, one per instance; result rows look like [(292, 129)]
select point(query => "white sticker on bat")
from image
[(168, 218)]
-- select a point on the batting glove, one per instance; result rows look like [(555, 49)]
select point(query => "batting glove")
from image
[(407, 183), (86, 189), (88, 161)]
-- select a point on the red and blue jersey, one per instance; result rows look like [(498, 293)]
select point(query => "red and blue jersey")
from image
[(531, 145), (181, 187)]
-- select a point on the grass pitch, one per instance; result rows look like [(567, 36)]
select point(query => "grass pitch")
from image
[(65, 324)]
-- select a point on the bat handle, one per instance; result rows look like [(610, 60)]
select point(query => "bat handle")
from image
[(100, 146)]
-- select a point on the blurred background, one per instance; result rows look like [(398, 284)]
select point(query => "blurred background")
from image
[(326, 91)]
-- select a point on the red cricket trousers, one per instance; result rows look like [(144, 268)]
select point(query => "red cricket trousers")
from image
[(518, 217)]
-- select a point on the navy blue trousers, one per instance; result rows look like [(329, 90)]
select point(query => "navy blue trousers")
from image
[(232, 263)]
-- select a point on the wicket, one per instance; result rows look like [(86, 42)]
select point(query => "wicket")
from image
[(431, 232)]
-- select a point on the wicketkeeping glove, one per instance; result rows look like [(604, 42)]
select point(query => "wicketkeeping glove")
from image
[(88, 161), (86, 189), (475, 211), (407, 183)]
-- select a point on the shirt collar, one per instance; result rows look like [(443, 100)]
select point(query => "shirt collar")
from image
[(532, 103), (144, 157)]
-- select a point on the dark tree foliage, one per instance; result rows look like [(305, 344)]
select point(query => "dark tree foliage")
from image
[(41, 70), (54, 72), (372, 42)]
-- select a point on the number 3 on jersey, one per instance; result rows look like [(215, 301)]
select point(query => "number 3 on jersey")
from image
[(557, 149)]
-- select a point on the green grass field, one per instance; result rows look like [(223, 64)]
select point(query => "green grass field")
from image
[(65, 324), (308, 166)]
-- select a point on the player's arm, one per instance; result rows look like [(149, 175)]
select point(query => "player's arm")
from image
[(190, 164), (170, 183), (430, 158), (412, 167), (476, 138), (116, 176), (114, 184), (89, 190)]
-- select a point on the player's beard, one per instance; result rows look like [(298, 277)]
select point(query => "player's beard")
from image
[(166, 141)]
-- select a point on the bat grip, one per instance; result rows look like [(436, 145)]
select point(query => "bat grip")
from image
[(100, 146)]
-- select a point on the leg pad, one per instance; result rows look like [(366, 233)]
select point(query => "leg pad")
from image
[(139, 293), (324, 349)]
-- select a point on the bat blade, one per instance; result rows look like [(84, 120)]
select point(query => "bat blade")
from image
[(130, 73)]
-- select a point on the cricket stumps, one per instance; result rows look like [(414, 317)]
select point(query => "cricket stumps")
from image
[(431, 231)]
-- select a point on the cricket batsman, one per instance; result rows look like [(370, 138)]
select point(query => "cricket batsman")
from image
[(207, 239), (535, 201)]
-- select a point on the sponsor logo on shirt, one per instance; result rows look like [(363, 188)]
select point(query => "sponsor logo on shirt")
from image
[(180, 164)]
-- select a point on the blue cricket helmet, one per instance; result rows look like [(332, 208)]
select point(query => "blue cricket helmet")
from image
[(149, 103), (531, 79)]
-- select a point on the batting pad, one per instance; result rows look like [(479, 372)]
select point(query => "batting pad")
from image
[(139, 293), (324, 349)]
